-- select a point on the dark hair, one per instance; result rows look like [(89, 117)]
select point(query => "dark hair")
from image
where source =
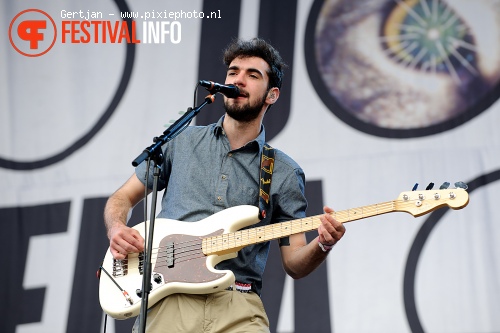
[(257, 47)]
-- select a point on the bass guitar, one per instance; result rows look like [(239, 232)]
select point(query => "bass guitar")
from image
[(185, 253)]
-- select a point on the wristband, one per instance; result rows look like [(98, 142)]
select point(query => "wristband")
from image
[(324, 247)]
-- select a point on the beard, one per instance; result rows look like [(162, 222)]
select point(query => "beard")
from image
[(245, 113)]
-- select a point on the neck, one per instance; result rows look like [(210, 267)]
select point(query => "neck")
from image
[(240, 133)]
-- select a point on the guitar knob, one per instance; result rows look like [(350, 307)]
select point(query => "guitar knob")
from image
[(461, 185), (138, 292), (157, 278), (444, 186)]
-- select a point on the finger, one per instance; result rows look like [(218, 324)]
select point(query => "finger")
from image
[(121, 249), (117, 251), (331, 230), (125, 247), (327, 221), (134, 241), (336, 224), (128, 240), (325, 231), (321, 232), (118, 254), (328, 210)]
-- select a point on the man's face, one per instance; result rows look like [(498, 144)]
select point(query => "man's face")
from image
[(249, 74)]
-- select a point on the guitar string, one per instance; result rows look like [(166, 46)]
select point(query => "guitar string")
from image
[(240, 235), (184, 251)]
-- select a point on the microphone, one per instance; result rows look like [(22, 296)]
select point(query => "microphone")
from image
[(230, 91)]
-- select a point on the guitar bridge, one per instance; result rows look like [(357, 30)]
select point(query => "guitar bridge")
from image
[(120, 267), (141, 263)]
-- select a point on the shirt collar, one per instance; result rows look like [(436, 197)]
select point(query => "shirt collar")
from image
[(260, 140)]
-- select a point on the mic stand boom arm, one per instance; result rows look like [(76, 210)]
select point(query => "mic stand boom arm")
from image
[(155, 154), (172, 131)]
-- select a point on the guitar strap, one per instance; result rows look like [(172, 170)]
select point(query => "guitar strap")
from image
[(266, 174)]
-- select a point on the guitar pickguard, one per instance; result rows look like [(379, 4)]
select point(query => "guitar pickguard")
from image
[(189, 262)]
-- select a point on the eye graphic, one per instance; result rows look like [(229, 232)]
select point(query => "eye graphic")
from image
[(404, 68), (430, 37)]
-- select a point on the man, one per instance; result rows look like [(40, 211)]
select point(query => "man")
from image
[(210, 168)]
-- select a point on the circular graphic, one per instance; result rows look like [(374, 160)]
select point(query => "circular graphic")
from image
[(30, 32), (86, 137), (417, 248), (402, 69)]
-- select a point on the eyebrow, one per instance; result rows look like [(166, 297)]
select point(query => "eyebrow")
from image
[(251, 70)]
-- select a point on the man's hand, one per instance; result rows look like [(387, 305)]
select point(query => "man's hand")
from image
[(301, 258), (124, 240), (330, 230)]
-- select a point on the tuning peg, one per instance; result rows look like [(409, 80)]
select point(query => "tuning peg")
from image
[(444, 186), (429, 187), (415, 187), (461, 185)]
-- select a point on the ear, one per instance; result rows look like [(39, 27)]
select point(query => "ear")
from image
[(272, 95)]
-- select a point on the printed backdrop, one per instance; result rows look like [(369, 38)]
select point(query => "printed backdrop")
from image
[(379, 95)]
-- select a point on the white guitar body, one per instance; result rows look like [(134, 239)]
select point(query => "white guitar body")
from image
[(190, 272)]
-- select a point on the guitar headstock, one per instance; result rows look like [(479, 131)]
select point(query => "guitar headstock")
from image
[(419, 203)]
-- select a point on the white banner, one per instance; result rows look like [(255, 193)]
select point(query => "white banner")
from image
[(381, 95)]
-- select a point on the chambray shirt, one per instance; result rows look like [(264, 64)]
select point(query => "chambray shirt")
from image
[(201, 176)]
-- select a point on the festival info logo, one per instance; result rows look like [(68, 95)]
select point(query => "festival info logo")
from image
[(32, 32)]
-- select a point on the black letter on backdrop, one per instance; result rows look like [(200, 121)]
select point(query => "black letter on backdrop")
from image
[(18, 224), (312, 308)]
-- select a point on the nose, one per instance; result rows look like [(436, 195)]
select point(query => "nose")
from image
[(239, 80)]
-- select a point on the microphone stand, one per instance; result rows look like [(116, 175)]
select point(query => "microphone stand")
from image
[(154, 153)]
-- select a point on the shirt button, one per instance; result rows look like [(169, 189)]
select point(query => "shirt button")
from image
[(224, 177), (219, 198), (230, 154)]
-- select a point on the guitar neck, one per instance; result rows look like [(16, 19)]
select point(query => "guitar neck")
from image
[(235, 241)]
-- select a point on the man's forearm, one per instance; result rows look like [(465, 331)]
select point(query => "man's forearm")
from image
[(305, 260), (116, 210)]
